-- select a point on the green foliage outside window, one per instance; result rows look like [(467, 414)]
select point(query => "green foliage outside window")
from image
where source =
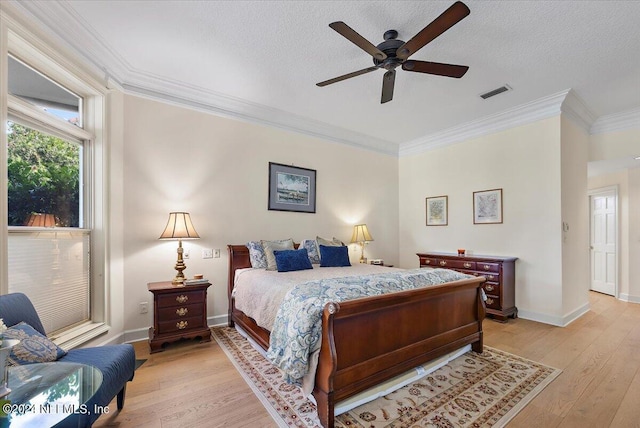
[(44, 176)]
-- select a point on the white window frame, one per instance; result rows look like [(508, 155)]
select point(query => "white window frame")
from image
[(18, 41)]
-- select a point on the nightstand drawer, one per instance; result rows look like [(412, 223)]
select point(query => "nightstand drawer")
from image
[(179, 312), (178, 325), (180, 299)]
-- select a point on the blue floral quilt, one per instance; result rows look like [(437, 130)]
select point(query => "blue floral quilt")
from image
[(298, 327)]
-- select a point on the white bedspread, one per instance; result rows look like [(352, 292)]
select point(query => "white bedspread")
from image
[(259, 292)]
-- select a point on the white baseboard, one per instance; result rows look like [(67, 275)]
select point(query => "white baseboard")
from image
[(552, 319), (141, 334), (629, 298)]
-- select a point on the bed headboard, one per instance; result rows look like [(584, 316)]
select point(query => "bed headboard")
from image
[(238, 259)]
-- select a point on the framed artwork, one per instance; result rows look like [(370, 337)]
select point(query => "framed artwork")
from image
[(437, 207), (487, 206), (292, 188)]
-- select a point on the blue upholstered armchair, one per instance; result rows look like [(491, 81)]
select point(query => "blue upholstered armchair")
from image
[(116, 362)]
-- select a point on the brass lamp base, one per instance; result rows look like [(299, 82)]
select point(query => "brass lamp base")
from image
[(180, 266)]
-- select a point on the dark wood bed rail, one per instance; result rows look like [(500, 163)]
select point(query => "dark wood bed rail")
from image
[(368, 341)]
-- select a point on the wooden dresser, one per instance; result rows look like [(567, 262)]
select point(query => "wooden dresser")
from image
[(179, 312), (499, 271)]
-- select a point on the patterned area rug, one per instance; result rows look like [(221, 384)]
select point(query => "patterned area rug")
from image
[(473, 390)]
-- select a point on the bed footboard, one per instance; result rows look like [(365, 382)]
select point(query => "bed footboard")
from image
[(370, 340)]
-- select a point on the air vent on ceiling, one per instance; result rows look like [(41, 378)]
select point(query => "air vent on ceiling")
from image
[(495, 92)]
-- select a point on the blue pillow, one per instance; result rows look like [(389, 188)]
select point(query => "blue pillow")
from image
[(334, 256), (290, 260), (33, 346)]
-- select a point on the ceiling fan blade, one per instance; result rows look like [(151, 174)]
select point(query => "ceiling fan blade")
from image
[(388, 82), (442, 23), (346, 76), (355, 38), (448, 70)]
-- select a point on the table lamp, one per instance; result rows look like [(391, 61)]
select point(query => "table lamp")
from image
[(179, 227), (361, 235)]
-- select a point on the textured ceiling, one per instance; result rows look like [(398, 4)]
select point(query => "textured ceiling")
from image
[(266, 56)]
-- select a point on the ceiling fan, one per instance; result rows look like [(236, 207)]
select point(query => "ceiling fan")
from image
[(394, 52)]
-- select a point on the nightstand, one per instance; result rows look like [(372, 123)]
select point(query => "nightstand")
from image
[(179, 312)]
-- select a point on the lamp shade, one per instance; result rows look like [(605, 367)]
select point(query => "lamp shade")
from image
[(179, 226), (361, 233), (40, 220)]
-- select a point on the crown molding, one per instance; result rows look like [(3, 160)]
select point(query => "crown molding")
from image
[(617, 122), (577, 111), (196, 98), (527, 113)]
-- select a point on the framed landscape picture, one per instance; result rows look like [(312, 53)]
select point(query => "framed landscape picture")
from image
[(292, 188), (437, 211), (487, 206)]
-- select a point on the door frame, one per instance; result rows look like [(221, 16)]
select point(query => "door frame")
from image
[(598, 192)]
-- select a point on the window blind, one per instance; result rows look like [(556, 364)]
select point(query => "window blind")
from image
[(52, 269)]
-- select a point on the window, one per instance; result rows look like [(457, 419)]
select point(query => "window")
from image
[(44, 181), (54, 189)]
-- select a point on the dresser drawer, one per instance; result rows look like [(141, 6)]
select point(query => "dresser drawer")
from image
[(177, 325), (491, 276), (428, 262), (179, 312), (488, 267), (179, 299), (493, 302), (456, 264), (492, 288)]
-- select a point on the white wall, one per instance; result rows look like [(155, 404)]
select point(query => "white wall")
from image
[(575, 216), (525, 162), (176, 159)]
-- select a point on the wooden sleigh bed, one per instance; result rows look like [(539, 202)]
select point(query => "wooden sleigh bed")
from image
[(370, 340)]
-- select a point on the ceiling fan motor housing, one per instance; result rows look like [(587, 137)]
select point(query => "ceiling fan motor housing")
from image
[(389, 47)]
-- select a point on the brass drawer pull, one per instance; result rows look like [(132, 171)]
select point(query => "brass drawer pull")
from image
[(443, 262), (182, 312), (486, 267), (182, 325), (489, 301), (467, 265), (489, 287), (427, 262), (491, 277), (182, 298)]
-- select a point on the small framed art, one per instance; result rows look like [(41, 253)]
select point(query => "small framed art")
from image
[(292, 188), (437, 207), (487, 206)]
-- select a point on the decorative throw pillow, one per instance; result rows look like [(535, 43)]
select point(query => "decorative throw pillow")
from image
[(270, 246), (331, 256), (256, 255), (312, 249), (291, 260), (333, 243), (33, 346)]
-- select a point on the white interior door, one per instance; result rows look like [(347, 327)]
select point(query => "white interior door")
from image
[(603, 242)]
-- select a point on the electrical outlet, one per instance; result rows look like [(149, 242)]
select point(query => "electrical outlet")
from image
[(216, 253), (185, 254), (144, 307), (207, 253)]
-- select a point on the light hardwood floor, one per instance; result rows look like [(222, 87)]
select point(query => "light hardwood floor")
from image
[(195, 385)]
